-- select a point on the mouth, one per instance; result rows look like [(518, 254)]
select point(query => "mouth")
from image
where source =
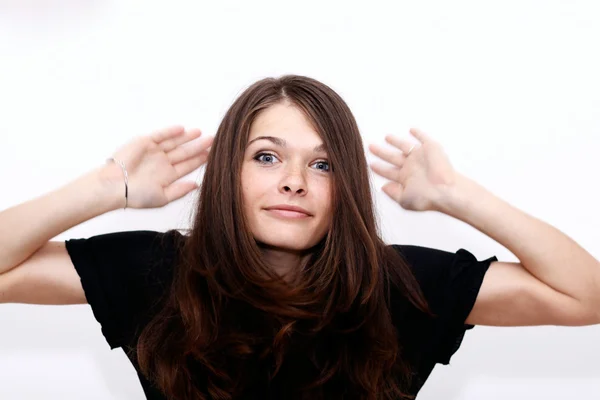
[(287, 211)]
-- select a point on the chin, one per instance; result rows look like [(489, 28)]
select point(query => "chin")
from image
[(287, 242)]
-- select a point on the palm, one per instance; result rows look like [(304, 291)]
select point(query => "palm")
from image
[(156, 162), (416, 181)]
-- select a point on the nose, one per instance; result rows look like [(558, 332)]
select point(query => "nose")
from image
[(293, 182)]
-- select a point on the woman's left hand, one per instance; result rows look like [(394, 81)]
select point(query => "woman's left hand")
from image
[(420, 177)]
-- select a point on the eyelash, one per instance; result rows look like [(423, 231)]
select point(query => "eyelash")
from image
[(257, 159)]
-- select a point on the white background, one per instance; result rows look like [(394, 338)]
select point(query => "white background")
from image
[(511, 89)]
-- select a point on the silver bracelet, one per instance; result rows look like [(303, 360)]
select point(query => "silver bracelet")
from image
[(122, 165)]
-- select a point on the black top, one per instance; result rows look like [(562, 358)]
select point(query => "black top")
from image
[(124, 274)]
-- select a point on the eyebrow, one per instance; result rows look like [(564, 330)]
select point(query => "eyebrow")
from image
[(282, 143)]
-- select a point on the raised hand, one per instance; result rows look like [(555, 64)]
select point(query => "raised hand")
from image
[(419, 177), (154, 165)]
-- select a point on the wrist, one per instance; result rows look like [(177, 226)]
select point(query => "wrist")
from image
[(109, 184), (456, 199)]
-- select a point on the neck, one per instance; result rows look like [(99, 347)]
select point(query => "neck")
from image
[(284, 261)]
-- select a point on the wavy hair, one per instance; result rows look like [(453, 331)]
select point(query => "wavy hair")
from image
[(231, 328)]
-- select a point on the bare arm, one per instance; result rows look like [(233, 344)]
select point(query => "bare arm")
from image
[(25, 228), (34, 269), (47, 277), (45, 274), (556, 282)]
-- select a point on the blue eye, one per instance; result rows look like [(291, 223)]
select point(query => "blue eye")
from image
[(322, 166), (270, 159), (265, 158)]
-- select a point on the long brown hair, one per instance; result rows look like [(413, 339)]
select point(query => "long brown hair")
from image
[(230, 327)]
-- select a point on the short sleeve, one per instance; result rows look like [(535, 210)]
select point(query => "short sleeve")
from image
[(124, 276), (450, 283)]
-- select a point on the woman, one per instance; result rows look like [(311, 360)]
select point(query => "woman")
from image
[(283, 288)]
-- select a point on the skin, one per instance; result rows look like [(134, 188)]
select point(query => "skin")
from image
[(285, 163), (555, 282)]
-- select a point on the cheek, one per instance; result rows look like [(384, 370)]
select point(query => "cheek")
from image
[(254, 187), (323, 194), (248, 189)]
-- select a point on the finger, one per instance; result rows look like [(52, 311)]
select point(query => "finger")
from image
[(167, 133), (190, 150), (419, 135), (169, 144), (392, 156), (185, 167), (177, 190), (402, 144), (394, 190), (387, 171)]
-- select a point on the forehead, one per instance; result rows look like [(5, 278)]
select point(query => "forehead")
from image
[(287, 122)]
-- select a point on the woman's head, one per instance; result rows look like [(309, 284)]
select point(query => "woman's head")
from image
[(286, 180), (290, 141)]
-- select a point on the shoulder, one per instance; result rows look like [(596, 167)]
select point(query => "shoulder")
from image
[(134, 249), (450, 283), (135, 258), (125, 275), (437, 271), (131, 241)]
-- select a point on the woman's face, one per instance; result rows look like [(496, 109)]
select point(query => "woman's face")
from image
[(285, 165)]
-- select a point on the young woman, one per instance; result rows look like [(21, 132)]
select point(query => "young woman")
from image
[(283, 288)]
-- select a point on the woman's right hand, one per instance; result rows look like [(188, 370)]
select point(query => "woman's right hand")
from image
[(154, 164)]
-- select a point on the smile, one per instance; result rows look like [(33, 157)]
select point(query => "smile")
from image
[(287, 214)]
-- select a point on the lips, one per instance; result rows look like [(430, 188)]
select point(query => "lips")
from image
[(289, 210)]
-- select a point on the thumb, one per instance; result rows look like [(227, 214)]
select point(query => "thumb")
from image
[(394, 190)]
